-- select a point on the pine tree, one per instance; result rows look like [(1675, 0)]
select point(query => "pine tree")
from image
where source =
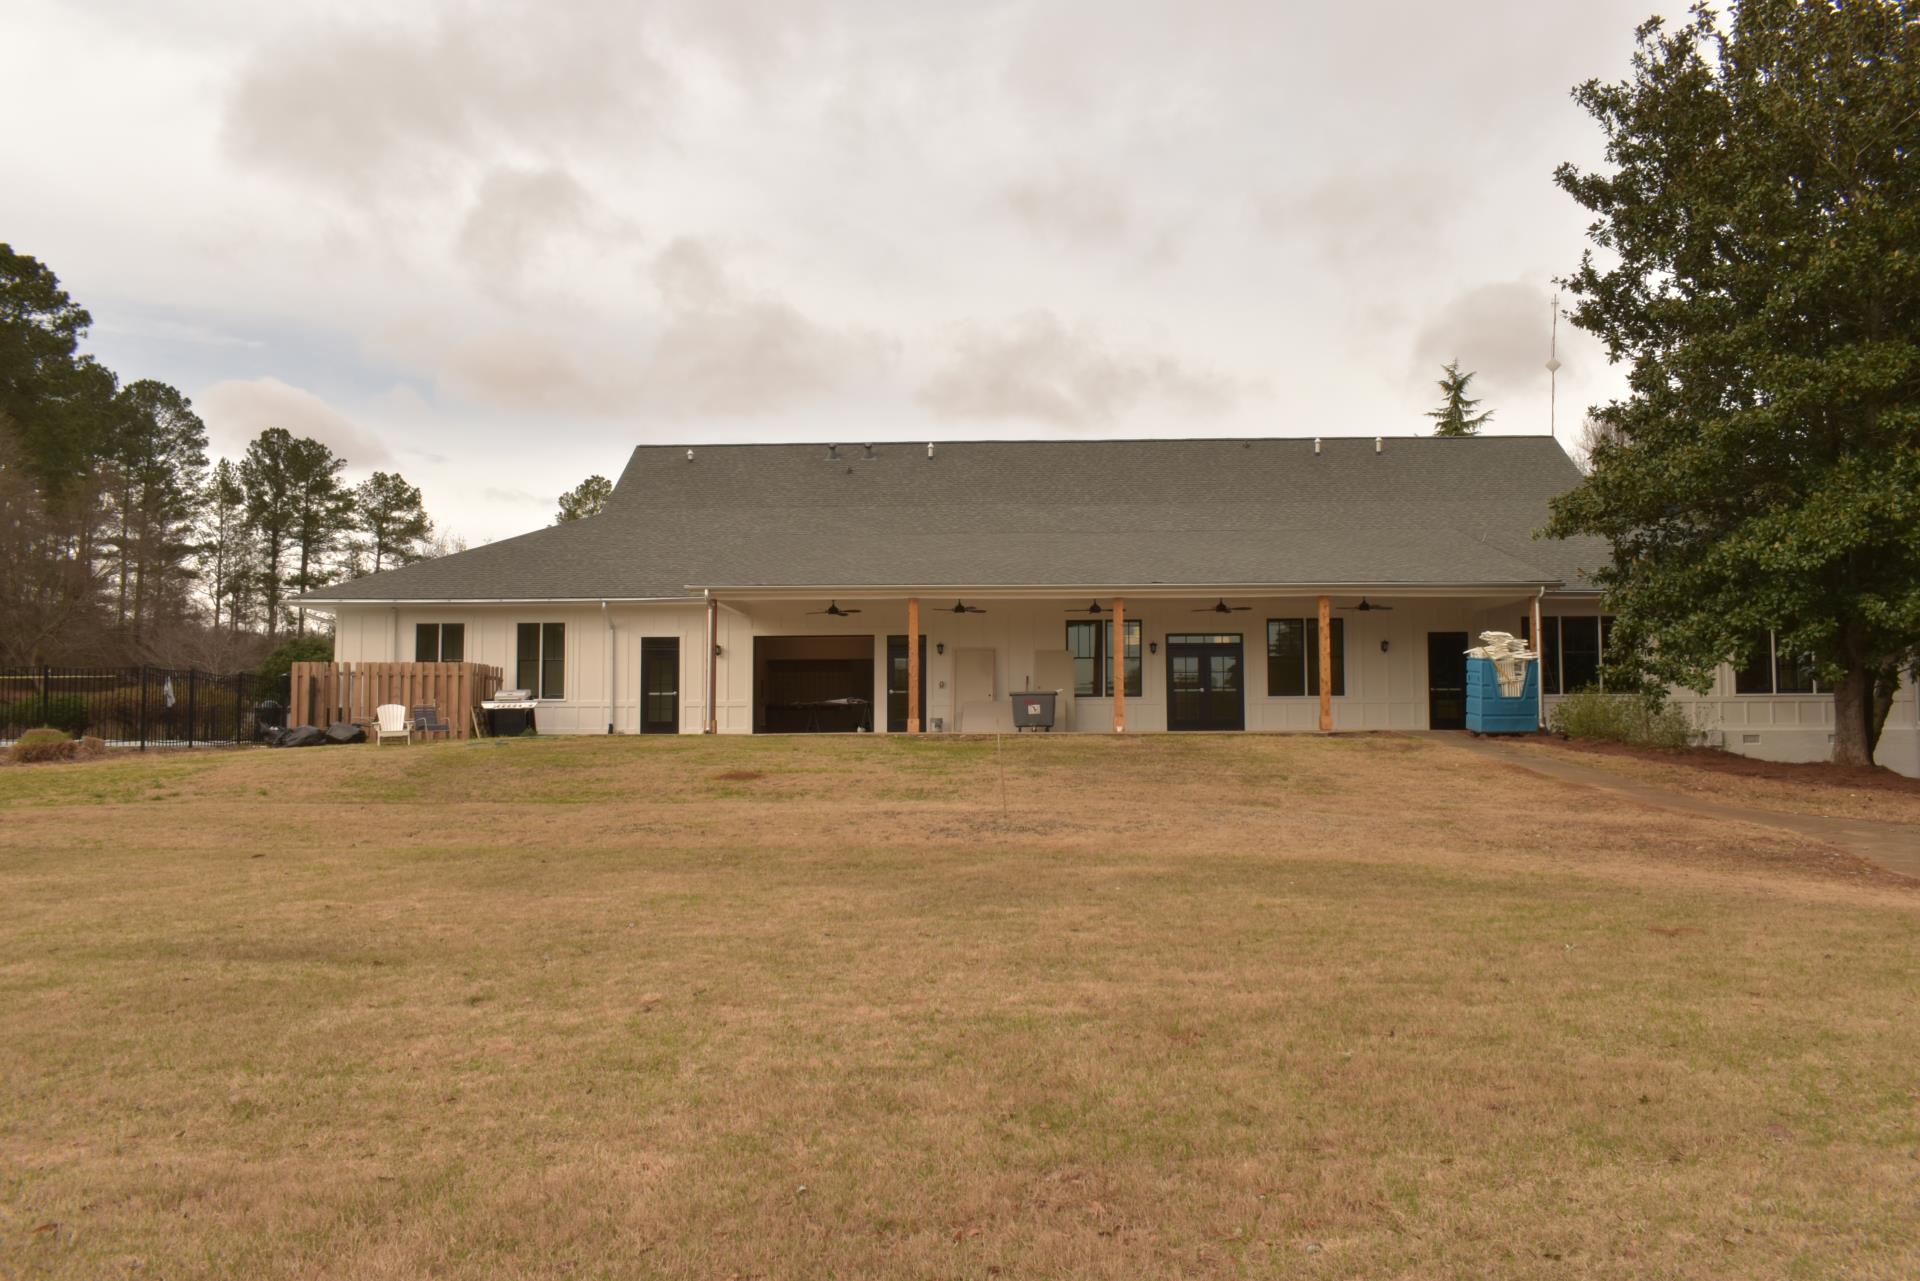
[(227, 545), (585, 499), (1455, 417), (391, 521)]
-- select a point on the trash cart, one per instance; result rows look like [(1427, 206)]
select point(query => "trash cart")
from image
[(1503, 689), (1033, 709)]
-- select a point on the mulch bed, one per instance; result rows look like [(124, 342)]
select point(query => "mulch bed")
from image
[(1819, 773)]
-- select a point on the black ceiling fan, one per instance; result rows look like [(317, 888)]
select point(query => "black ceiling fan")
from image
[(1223, 608), (1096, 609), (833, 609), (961, 607), (1367, 607)]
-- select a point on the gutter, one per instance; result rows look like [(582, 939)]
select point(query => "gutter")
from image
[(492, 600)]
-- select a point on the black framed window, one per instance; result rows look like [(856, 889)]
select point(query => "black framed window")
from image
[(1572, 649), (540, 659), (1765, 670), (1293, 657), (1085, 642), (440, 643), (1090, 641)]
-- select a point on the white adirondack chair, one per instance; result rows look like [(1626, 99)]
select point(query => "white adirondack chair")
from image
[(393, 723)]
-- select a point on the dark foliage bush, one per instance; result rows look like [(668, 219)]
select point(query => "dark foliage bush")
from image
[(62, 711), (270, 678)]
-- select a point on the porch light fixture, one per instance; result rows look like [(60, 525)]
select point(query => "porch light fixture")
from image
[(939, 647), (1383, 647), (1153, 647)]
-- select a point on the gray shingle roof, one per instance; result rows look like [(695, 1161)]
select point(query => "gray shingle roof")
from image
[(1108, 513)]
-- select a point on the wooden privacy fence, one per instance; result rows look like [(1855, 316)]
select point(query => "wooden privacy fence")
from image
[(326, 692)]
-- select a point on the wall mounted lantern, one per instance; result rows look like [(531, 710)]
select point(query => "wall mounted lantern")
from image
[(939, 647)]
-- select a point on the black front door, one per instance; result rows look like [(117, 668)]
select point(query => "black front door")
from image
[(1203, 683), (1446, 680), (660, 685), (897, 683)]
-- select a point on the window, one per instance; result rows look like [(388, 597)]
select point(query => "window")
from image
[(1293, 657), (1767, 671), (1572, 650), (540, 662), (1090, 641), (440, 643)]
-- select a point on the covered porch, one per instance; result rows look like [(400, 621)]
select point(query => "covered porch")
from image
[(1126, 660)]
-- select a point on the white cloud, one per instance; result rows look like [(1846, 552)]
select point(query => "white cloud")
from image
[(236, 411), (1034, 367)]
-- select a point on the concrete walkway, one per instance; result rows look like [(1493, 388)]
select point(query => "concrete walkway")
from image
[(1895, 846)]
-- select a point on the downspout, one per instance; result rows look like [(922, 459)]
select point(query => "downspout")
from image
[(607, 614), (396, 632), (713, 660)]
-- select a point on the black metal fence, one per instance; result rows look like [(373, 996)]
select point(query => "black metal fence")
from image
[(128, 706)]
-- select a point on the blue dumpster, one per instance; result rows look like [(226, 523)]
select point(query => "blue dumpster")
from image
[(1491, 712)]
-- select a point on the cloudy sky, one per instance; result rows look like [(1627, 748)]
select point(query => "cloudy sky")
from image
[(493, 246)]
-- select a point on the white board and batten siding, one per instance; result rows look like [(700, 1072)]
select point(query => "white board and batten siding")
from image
[(1386, 686)]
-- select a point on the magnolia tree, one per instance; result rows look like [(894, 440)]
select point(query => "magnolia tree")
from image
[(1758, 271)]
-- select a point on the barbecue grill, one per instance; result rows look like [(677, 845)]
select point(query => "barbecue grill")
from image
[(509, 712)]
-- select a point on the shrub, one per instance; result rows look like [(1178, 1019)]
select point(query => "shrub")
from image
[(43, 745), (1622, 718), (308, 648), (89, 748), (61, 711)]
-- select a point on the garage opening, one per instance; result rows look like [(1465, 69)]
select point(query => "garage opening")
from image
[(812, 684)]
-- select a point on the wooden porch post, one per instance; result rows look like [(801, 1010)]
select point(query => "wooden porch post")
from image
[(913, 665), (1119, 665), (1326, 664)]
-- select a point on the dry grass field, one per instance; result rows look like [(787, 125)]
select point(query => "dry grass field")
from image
[(782, 1008)]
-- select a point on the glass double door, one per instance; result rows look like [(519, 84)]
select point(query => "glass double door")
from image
[(1205, 683)]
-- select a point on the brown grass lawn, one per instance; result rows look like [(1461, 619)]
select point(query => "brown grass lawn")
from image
[(1168, 1006), (1830, 791)]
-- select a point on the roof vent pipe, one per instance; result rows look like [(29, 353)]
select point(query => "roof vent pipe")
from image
[(689, 455), (1378, 443), (929, 449), (1316, 444), (869, 449), (833, 453)]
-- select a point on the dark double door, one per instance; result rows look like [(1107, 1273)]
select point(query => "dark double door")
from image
[(1446, 680), (660, 685), (1206, 683)]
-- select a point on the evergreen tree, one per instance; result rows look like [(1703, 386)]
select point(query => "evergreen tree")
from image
[(1455, 417), (390, 520), (227, 546), (322, 511), (585, 499), (1761, 276), (154, 467), (297, 507)]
